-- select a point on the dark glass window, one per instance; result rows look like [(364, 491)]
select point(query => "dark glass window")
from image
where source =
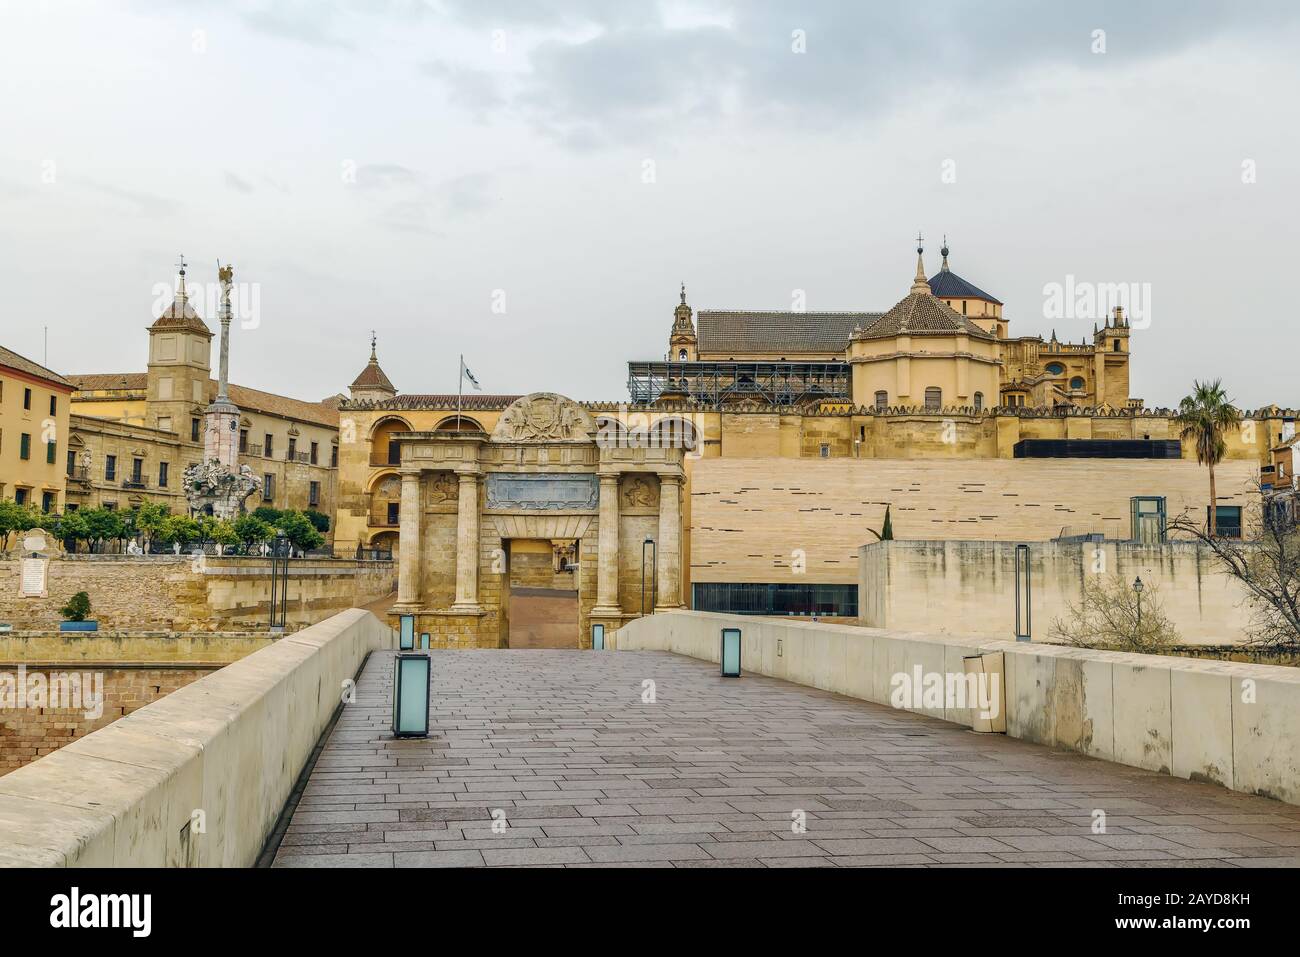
[(1227, 520), (784, 598)]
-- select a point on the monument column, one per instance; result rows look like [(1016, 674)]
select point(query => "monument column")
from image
[(467, 540), (607, 549), (669, 547), (408, 569)]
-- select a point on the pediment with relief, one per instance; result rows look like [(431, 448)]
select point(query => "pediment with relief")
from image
[(544, 417)]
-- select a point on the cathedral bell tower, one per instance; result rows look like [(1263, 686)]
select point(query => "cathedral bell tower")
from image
[(682, 342)]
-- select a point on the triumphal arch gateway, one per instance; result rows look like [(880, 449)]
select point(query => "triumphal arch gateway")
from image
[(530, 535)]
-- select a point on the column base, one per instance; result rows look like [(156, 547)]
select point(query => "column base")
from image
[(605, 611), (468, 608), (659, 608)]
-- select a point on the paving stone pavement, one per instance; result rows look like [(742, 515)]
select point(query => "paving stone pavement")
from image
[(581, 772)]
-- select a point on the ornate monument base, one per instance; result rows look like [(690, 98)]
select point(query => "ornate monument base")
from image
[(213, 489)]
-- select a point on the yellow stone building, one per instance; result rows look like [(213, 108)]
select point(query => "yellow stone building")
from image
[(132, 434), (754, 461), (33, 431)]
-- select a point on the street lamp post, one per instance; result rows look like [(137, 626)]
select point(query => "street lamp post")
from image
[(1137, 587), (649, 546)]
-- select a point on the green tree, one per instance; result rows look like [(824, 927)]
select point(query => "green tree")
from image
[(178, 528), (1203, 418), (223, 532), (17, 518), (319, 520), (149, 519), (102, 525), (72, 527), (77, 608), (300, 531), (250, 530), (267, 514)]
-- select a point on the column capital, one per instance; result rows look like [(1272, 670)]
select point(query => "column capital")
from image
[(410, 471), (468, 472), (672, 478), (610, 478)]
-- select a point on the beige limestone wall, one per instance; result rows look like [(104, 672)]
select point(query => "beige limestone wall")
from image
[(29, 733), (969, 587), (209, 648), (1237, 725), (176, 594), (230, 746), (749, 517)]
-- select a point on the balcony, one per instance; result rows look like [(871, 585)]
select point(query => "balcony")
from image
[(79, 473), (251, 449), (383, 460), (135, 482), (302, 458)]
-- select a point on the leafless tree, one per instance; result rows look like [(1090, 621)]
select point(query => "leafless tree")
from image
[(1267, 564), (1112, 615)]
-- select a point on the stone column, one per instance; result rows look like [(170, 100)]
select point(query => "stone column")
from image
[(607, 549), (467, 541), (408, 569), (669, 547)]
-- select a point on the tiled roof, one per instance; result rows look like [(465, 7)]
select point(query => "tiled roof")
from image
[(739, 332), (447, 401), (372, 377), (253, 400), (920, 314), (181, 315), (22, 364), (946, 284)]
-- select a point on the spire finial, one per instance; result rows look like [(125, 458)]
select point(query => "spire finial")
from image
[(920, 284), (373, 340), (683, 294), (944, 252), (180, 285)]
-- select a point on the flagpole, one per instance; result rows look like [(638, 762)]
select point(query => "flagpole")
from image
[(460, 386)]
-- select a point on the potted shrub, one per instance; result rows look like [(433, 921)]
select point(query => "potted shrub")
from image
[(76, 610)]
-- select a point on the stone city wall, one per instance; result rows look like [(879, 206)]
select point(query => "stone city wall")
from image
[(164, 593)]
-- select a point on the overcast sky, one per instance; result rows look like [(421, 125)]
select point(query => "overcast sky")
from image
[(528, 182)]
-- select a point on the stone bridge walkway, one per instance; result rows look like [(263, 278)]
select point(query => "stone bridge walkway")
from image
[(560, 746)]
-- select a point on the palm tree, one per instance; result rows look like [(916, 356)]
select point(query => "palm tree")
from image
[(1203, 417)]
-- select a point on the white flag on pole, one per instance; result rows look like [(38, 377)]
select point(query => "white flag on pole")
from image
[(466, 374)]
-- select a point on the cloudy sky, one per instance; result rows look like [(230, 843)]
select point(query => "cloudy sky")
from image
[(527, 182)]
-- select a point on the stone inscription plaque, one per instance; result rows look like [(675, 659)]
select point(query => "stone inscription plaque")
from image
[(542, 492)]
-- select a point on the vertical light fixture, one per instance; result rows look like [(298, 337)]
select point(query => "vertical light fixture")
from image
[(597, 637), (653, 567), (406, 635), (1022, 575), (411, 696), (729, 656), (424, 640)]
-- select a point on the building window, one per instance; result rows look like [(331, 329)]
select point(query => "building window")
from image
[(933, 399), (47, 502), (1077, 383), (334, 456), (54, 405), (162, 474), (1055, 368), (27, 398), (110, 467), (392, 513), (315, 451), (293, 448), (882, 400), (137, 471), (243, 440), (394, 453), (1227, 520), (268, 486), (25, 446), (313, 493), (49, 452), (825, 450), (681, 355), (194, 430), (979, 401), (72, 461), (1116, 346), (745, 598), (268, 448), (20, 496)]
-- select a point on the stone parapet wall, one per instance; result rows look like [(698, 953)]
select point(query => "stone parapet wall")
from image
[(195, 779), (960, 587), (162, 593), (1237, 725)]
